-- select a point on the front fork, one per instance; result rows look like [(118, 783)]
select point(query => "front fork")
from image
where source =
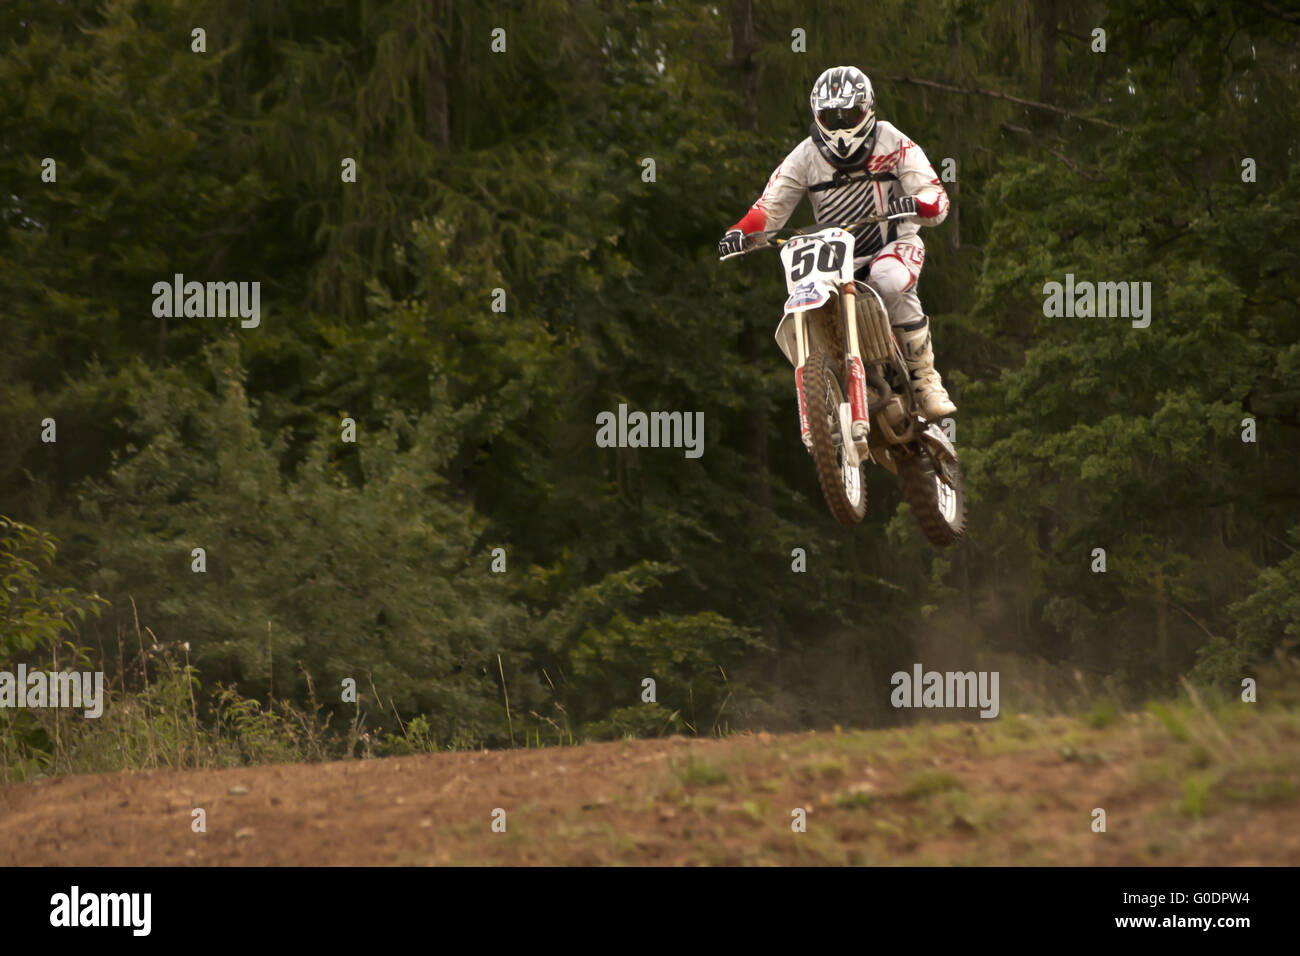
[(854, 373), (856, 417), (805, 432)]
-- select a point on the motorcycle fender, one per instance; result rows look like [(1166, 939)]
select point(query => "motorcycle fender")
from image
[(810, 295), (787, 338), (792, 336), (934, 434)]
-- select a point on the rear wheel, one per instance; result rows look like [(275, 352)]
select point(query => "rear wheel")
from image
[(843, 485), (940, 507)]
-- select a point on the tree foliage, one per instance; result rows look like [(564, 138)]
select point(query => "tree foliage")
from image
[(522, 171)]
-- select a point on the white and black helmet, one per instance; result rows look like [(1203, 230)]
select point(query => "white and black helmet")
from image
[(844, 113)]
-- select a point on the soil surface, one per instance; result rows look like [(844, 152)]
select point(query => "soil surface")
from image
[(1024, 792)]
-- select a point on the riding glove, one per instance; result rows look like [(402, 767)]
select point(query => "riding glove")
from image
[(731, 244)]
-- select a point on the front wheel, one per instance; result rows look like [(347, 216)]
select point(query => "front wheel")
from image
[(843, 485), (940, 507)]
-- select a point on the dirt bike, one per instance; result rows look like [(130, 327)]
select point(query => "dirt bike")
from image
[(880, 421)]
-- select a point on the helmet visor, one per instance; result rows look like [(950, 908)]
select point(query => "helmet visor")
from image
[(844, 117)]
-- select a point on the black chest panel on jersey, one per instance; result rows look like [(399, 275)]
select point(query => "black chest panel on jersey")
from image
[(851, 196), (841, 179)]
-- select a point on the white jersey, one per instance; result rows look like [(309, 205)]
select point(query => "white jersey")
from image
[(806, 172)]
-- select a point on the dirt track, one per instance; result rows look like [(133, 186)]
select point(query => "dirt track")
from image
[(961, 793)]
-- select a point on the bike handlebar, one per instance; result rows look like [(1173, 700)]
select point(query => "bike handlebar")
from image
[(765, 239)]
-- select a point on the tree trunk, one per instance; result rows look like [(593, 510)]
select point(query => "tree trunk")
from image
[(1047, 21), (436, 104), (742, 62), (752, 348), (1162, 625), (954, 188), (751, 344)]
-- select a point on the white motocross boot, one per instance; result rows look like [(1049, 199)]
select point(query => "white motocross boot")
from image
[(930, 393)]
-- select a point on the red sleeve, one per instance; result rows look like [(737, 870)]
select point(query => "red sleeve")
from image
[(753, 221), (931, 209)]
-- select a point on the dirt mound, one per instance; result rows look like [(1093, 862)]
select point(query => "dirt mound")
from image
[(1015, 790)]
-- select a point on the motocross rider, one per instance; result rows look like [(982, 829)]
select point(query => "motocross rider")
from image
[(854, 166)]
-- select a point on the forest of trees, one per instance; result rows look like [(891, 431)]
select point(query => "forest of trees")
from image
[(501, 146)]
